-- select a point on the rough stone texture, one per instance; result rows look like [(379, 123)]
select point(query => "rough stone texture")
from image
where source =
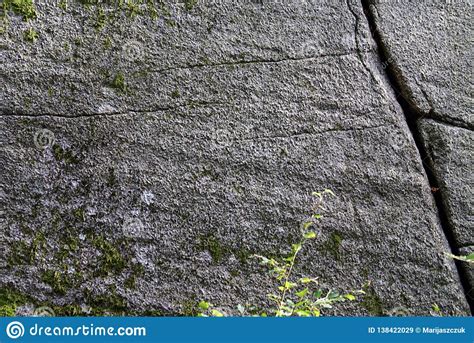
[(430, 48), (469, 270), (230, 118), (450, 150)]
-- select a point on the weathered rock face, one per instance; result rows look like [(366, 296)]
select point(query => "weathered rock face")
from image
[(429, 55), (429, 45), (145, 160)]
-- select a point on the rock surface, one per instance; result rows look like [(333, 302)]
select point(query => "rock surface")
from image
[(450, 150), (430, 49), (145, 161), (429, 53)]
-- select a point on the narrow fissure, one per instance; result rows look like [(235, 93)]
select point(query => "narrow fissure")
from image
[(412, 116)]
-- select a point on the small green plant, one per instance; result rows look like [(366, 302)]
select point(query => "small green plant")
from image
[(119, 82), (466, 258), (30, 35), (206, 310), (437, 310), (293, 296)]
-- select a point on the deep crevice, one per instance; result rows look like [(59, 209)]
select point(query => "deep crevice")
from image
[(412, 116)]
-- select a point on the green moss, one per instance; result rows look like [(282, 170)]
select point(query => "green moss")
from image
[(71, 245), (59, 282), (111, 260), (23, 253), (101, 19), (79, 213), (333, 244), (189, 4), (67, 310), (175, 94), (10, 300), (189, 308), (63, 5), (107, 43), (25, 8), (110, 302), (133, 8), (372, 302), (137, 271), (119, 82), (30, 35), (211, 244), (64, 155), (78, 41), (153, 12), (220, 251)]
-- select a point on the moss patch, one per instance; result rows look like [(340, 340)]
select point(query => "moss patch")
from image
[(372, 302), (213, 246), (10, 300), (111, 260), (189, 4), (30, 35), (137, 271), (24, 8), (64, 155), (118, 82), (23, 253), (59, 282), (332, 245)]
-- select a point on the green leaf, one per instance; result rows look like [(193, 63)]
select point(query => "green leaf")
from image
[(296, 247), (318, 294), (302, 293), (307, 225), (310, 235), (470, 257), (317, 216), (350, 297), (204, 305), (308, 280), (303, 313), (216, 313)]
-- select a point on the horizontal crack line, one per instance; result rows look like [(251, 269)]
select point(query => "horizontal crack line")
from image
[(111, 114), (230, 63), (432, 115)]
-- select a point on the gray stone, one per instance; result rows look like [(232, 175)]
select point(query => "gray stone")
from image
[(430, 50), (154, 196), (468, 270), (450, 155)]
